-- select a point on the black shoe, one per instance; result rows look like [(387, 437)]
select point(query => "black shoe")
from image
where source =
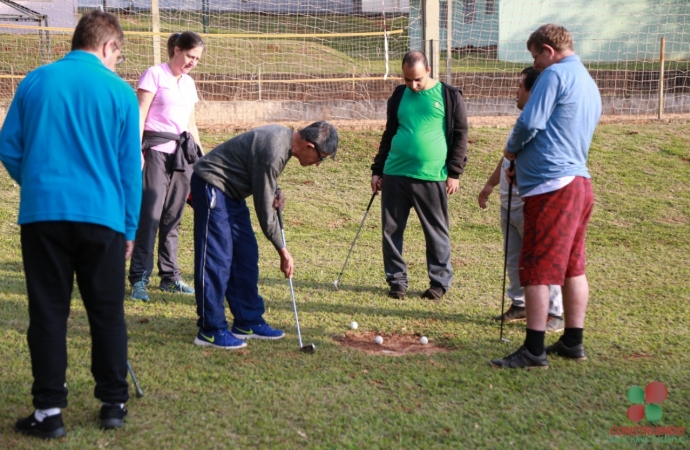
[(514, 314), (576, 353), (112, 416), (397, 291), (51, 427), (521, 359), (434, 293)]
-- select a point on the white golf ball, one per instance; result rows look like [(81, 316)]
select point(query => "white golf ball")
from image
[(423, 340), (354, 325), (378, 340)]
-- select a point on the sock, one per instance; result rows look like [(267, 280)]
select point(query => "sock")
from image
[(534, 341), (572, 337), (41, 414)]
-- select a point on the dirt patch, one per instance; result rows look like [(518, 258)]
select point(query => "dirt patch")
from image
[(393, 344)]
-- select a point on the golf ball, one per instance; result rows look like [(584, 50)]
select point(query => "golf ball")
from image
[(378, 340), (354, 325), (423, 340)]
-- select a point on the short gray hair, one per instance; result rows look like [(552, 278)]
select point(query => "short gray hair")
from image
[(323, 135)]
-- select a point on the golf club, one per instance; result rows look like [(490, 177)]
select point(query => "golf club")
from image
[(311, 348), (335, 283), (505, 252), (140, 393)]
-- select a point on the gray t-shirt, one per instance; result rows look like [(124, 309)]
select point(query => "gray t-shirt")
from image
[(249, 164)]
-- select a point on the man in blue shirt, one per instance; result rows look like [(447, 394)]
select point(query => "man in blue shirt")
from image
[(550, 144), (71, 141)]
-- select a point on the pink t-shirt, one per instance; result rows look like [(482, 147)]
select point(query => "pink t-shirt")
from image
[(172, 105)]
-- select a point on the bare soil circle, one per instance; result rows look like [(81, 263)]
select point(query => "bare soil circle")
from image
[(393, 344)]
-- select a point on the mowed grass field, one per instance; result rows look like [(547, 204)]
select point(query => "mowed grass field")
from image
[(270, 395)]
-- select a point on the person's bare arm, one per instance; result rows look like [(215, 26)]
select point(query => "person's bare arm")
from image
[(491, 183), (194, 131), (145, 99)]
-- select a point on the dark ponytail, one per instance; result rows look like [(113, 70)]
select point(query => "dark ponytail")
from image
[(186, 40)]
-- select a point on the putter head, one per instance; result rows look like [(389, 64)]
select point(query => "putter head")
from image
[(139, 393), (311, 348), (335, 284)]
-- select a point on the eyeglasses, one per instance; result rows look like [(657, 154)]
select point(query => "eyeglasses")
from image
[(321, 158), (122, 57)]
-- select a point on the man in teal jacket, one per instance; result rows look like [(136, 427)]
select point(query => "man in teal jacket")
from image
[(71, 141)]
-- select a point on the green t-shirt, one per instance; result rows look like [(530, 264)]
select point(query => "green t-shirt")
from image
[(419, 147)]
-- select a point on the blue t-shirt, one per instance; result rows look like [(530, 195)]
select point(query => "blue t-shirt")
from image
[(71, 141), (552, 135)]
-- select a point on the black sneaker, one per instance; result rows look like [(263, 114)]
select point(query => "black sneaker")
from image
[(51, 427), (514, 314), (397, 291), (434, 293), (521, 359), (112, 416), (576, 353)]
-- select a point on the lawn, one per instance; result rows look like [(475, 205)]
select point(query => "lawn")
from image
[(270, 395)]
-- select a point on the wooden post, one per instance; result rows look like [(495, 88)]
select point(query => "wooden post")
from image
[(661, 78), (156, 28)]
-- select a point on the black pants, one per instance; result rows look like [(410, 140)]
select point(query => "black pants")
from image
[(430, 202), (162, 204), (53, 252)]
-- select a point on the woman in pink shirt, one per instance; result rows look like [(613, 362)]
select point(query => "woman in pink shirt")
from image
[(167, 95)]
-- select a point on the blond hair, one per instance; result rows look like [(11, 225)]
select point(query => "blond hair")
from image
[(552, 35)]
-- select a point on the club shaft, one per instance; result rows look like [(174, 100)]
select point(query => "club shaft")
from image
[(134, 379), (505, 251), (292, 289), (356, 236)]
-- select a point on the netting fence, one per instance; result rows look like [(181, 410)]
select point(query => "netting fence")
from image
[(349, 51)]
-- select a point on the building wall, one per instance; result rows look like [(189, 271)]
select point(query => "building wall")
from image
[(615, 30), (474, 23), (61, 13)]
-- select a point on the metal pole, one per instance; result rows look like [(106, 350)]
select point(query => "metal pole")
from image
[(204, 14), (661, 78), (449, 43)]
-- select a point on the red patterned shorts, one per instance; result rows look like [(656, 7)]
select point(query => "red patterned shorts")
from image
[(553, 245)]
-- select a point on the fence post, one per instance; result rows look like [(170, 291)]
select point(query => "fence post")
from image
[(431, 34), (661, 78), (449, 43), (156, 28)]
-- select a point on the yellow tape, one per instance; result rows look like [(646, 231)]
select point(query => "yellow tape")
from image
[(242, 36), (305, 80)]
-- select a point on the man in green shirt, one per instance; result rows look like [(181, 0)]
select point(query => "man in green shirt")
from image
[(421, 156)]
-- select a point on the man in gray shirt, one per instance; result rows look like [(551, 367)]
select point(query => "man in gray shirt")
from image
[(226, 254)]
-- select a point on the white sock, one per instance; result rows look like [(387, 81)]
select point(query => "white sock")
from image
[(41, 414)]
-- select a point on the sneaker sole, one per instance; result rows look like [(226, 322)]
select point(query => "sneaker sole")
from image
[(111, 424), (528, 367), (60, 432), (201, 343), (244, 337), (560, 330), (175, 291)]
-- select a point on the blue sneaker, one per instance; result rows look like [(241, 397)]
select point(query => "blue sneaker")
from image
[(218, 339), (177, 287), (263, 331)]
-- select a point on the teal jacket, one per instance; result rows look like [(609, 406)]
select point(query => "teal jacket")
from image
[(71, 141)]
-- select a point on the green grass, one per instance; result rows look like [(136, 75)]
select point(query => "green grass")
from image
[(272, 396)]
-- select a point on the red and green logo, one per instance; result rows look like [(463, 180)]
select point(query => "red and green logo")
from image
[(646, 402)]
